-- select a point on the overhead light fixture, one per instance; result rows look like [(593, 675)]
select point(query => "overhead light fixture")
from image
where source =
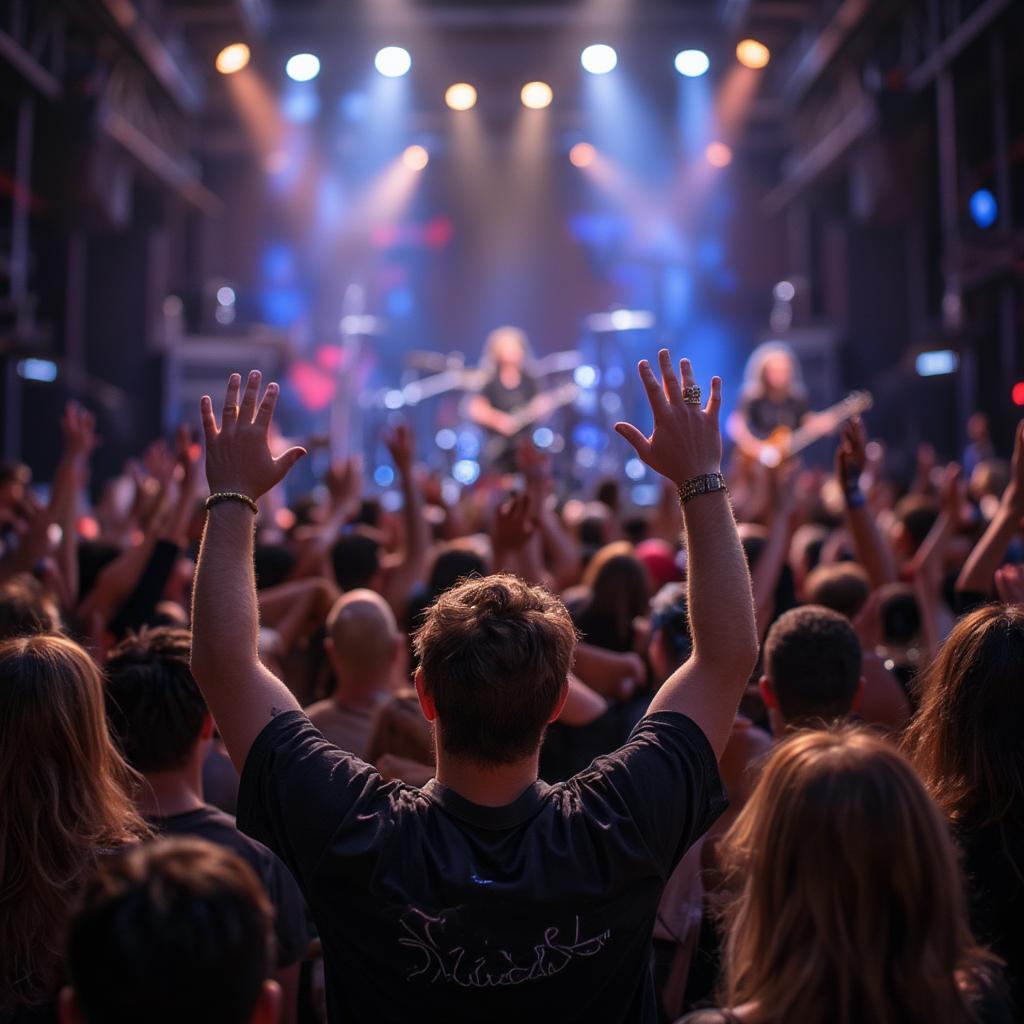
[(536, 95), (936, 363), (984, 208), (232, 58), (460, 96), (302, 67), (415, 158), (393, 61), (752, 54), (599, 59), (692, 63)]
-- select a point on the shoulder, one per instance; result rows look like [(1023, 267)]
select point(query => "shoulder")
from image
[(320, 710)]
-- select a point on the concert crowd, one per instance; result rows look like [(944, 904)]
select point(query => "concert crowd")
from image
[(750, 756)]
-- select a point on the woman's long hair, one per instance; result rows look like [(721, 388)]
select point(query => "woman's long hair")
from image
[(753, 372), (848, 902), (65, 799), (489, 364), (965, 739), (620, 591)]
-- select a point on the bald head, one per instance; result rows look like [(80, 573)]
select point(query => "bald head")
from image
[(363, 635)]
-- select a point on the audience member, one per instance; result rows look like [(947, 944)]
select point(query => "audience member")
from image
[(65, 804), (966, 743), (367, 655), (158, 716), (836, 917), (177, 930)]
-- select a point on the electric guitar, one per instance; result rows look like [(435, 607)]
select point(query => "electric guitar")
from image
[(784, 443)]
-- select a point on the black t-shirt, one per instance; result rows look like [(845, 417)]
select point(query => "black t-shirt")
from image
[(510, 400), (431, 907), (764, 415), (994, 867), (291, 925)]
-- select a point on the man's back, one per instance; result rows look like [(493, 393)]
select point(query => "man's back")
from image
[(483, 913)]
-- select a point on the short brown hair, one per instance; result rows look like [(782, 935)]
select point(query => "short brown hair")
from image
[(812, 658), (495, 655), (841, 586)]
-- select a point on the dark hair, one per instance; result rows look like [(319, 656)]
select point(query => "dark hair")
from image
[(177, 930), (965, 738), (273, 564), (916, 514), (495, 655), (356, 559), (812, 658), (900, 614), (93, 557), (620, 590), (842, 586), (23, 607), (670, 622), (452, 565), (154, 706)]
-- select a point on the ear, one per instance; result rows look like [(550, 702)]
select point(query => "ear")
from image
[(426, 701), (268, 1005), (560, 703), (206, 732), (67, 1007), (858, 696), (764, 686)]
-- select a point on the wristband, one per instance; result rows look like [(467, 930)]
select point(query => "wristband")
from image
[(708, 483), (220, 496)]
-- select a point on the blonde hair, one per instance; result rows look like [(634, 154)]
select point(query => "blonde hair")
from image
[(753, 372), (848, 902), (65, 799)]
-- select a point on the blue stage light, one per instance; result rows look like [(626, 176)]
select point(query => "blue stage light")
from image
[(984, 208), (599, 59), (393, 61), (692, 63), (303, 67)]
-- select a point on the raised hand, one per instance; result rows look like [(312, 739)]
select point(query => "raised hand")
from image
[(1010, 584), (514, 523), (1014, 493), (851, 455), (238, 455), (686, 441), (79, 428), (402, 446), (344, 481)]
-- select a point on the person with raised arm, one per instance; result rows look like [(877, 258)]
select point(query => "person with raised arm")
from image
[(486, 894)]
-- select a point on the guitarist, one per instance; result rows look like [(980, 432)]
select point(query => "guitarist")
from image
[(773, 402), (508, 389)]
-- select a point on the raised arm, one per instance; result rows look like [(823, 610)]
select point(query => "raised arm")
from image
[(402, 576), (686, 445), (979, 569), (241, 693), (872, 550)]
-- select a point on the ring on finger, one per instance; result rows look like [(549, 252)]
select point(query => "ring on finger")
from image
[(691, 395)]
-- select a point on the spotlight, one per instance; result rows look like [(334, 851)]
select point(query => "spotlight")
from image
[(582, 154), (692, 63), (752, 54), (984, 208), (718, 154), (393, 61), (415, 158), (784, 291), (1017, 393), (303, 67), (232, 58), (460, 96), (536, 95), (599, 59), (225, 295)]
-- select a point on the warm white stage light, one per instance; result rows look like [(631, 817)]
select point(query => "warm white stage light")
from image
[(599, 59), (415, 158), (536, 95), (752, 54), (232, 58), (692, 63), (393, 61), (460, 96), (302, 67)]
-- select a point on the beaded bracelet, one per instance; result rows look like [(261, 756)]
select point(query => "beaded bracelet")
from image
[(216, 499)]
